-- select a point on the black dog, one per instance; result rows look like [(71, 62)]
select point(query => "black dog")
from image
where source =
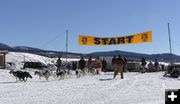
[(22, 76)]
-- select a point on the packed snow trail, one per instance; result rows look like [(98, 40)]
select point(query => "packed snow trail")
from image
[(136, 88)]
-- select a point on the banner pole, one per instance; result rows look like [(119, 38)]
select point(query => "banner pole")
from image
[(66, 44), (170, 44)]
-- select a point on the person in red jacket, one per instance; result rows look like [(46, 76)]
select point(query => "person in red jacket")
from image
[(90, 63)]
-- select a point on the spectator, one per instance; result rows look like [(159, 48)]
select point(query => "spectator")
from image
[(151, 66), (156, 65), (143, 64), (74, 66), (113, 62), (125, 65), (68, 66), (98, 65), (90, 63), (82, 63), (162, 67), (104, 63), (58, 64)]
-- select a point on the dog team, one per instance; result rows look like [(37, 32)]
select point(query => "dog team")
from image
[(93, 66)]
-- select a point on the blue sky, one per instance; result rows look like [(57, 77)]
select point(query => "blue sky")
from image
[(43, 23)]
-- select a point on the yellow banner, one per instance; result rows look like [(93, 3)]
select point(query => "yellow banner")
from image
[(131, 39)]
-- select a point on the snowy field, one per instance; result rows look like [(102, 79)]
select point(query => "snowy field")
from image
[(135, 88)]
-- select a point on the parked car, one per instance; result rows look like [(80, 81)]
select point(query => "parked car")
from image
[(34, 65)]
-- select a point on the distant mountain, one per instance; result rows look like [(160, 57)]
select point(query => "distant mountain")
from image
[(116, 53), (4, 47), (48, 53), (165, 56), (25, 48), (130, 55), (38, 51)]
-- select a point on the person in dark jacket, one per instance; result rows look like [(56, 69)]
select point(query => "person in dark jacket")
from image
[(143, 64), (104, 63), (113, 62), (68, 66), (125, 69), (82, 63), (74, 66), (156, 65), (58, 64)]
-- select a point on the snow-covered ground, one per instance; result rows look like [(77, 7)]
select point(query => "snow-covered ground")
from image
[(135, 88)]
